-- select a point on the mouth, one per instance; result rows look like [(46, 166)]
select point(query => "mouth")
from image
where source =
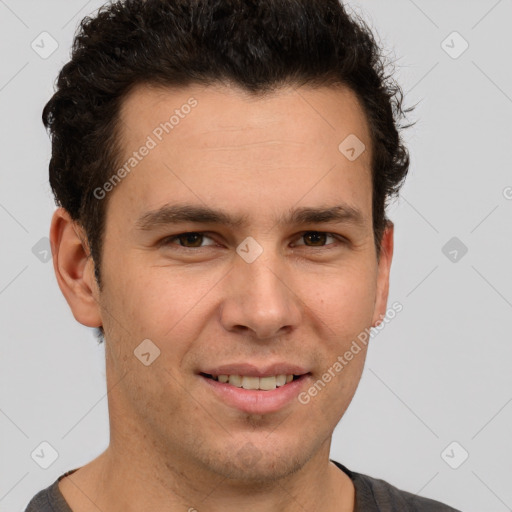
[(253, 394), (248, 382)]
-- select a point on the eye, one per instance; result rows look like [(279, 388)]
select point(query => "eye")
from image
[(318, 238), (191, 240), (194, 240)]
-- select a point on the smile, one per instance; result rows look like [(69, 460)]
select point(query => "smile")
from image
[(249, 382), (256, 395)]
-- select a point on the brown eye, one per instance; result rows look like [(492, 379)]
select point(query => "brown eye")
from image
[(191, 240), (316, 238), (194, 239)]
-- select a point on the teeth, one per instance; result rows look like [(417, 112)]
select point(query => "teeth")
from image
[(267, 383), (235, 380), (262, 383), (281, 380), (250, 382)]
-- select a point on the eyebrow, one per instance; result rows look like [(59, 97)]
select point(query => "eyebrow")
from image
[(181, 213)]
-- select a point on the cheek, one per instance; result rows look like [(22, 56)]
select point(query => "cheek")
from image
[(163, 303), (334, 386), (344, 300)]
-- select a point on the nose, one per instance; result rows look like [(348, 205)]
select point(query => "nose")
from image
[(260, 299)]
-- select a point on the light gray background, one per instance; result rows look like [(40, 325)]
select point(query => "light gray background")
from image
[(438, 373)]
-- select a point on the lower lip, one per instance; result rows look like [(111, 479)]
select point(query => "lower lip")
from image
[(255, 401)]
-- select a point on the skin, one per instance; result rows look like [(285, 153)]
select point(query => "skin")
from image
[(173, 444)]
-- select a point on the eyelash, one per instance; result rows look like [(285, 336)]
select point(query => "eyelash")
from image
[(168, 240)]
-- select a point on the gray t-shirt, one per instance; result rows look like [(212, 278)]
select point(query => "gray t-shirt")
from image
[(372, 495)]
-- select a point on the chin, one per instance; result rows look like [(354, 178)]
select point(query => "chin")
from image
[(253, 464)]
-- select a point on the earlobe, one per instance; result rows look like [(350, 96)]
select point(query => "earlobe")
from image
[(382, 292), (74, 268)]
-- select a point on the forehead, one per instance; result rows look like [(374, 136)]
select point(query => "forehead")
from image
[(219, 144), (225, 112)]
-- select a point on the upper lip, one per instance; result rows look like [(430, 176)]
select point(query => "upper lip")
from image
[(251, 370)]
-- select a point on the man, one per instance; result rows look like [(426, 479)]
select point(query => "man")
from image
[(221, 170)]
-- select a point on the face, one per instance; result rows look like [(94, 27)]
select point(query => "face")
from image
[(261, 286)]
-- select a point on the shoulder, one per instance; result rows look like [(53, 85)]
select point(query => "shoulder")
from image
[(50, 499), (378, 495), (389, 497), (40, 502)]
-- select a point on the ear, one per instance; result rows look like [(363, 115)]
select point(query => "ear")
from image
[(386, 255), (74, 268)]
